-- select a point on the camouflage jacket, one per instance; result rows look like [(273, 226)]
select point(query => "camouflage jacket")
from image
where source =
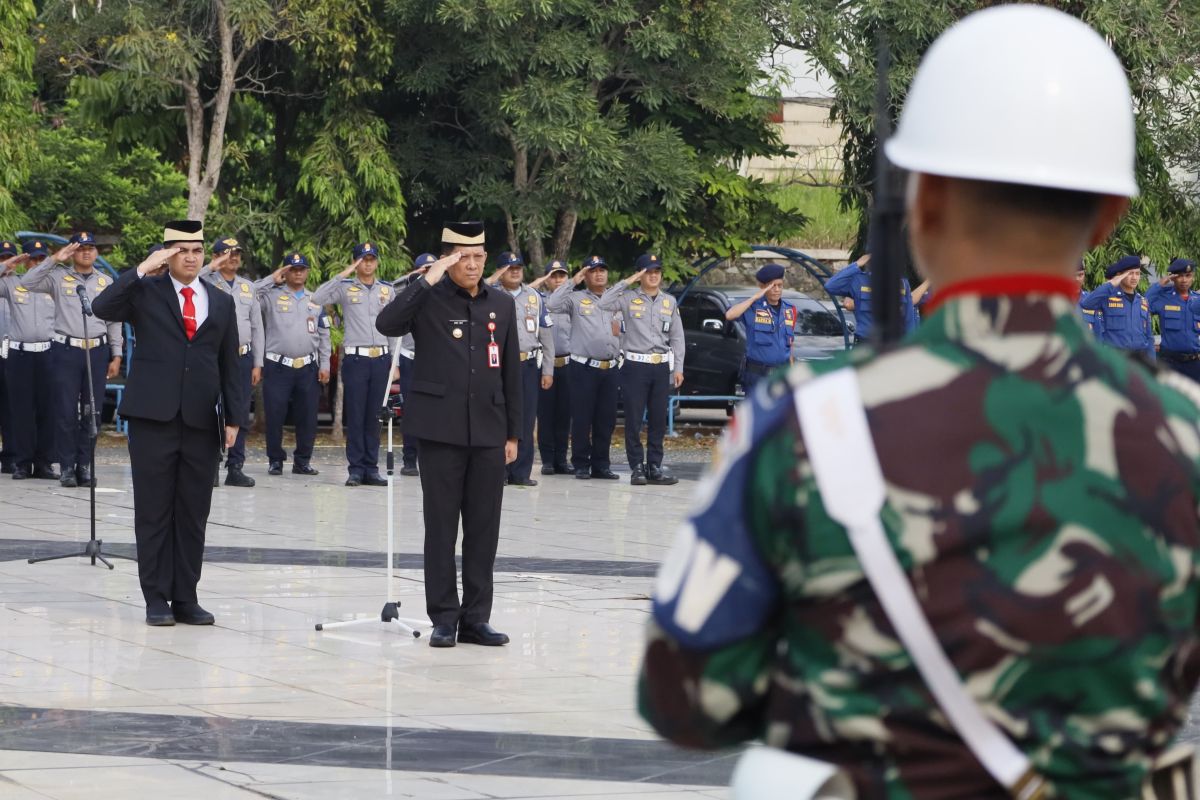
[(1042, 494)]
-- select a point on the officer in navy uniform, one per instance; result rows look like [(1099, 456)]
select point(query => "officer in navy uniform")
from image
[(854, 282), (408, 352), (222, 273), (1178, 311), (1126, 312), (465, 405), (770, 323), (366, 367), (537, 356), (554, 403), (27, 372), (652, 346), (297, 360), (595, 356), (1094, 320), (75, 338)]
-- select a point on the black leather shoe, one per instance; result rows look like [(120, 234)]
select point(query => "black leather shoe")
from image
[(190, 613), (480, 633), (522, 482), (655, 475), (410, 471), (547, 469), (638, 477), (374, 479), (304, 469), (564, 469), (159, 614), (605, 475), (235, 477), (275, 468), (354, 480), (83, 476), (442, 636), (20, 474), (67, 480), (583, 474), (45, 472)]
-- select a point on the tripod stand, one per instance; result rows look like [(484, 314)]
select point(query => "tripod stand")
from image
[(390, 615), (93, 547)]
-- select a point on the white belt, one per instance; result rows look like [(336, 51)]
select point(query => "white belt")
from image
[(29, 347), (243, 350), (561, 361), (594, 362), (648, 358), (409, 354), (83, 344), (369, 352), (531, 354), (295, 363)]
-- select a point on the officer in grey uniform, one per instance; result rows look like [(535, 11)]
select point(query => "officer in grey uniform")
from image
[(222, 273), (28, 379), (653, 350), (536, 341), (594, 349), (74, 339), (554, 404), (408, 352), (297, 361), (366, 367)]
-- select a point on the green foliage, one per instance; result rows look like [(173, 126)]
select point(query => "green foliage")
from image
[(16, 90), (75, 183), (829, 224)]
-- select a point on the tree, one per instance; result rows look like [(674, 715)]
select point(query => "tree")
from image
[(16, 92), (553, 114), (1153, 41)]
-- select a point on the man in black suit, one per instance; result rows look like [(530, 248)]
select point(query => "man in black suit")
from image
[(186, 364), (464, 405)]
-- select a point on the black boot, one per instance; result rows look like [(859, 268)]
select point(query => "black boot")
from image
[(235, 477), (638, 477)]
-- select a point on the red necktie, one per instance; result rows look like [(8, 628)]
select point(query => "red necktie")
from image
[(189, 311)]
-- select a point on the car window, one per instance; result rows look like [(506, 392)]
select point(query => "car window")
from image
[(687, 313), (708, 309)]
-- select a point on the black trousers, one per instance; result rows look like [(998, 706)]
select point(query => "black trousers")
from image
[(531, 376), (71, 395), (29, 436), (281, 386), (236, 455), (363, 381), (646, 388), (8, 453), (173, 467), (593, 415), (554, 418), (467, 483)]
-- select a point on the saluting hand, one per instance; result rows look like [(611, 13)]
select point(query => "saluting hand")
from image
[(536, 282), (635, 277), (114, 368), (13, 262), (1166, 280), (156, 260), (218, 262), (577, 278), (277, 275), (64, 253), (494, 278), (350, 270), (437, 269)]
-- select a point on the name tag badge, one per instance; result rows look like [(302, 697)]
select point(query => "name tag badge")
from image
[(530, 325), (493, 355), (312, 325), (666, 325)]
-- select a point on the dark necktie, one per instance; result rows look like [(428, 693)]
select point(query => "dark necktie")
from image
[(189, 312)]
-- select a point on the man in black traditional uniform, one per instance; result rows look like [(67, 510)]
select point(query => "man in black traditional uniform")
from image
[(464, 404)]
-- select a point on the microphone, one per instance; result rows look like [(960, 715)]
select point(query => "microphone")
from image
[(84, 301)]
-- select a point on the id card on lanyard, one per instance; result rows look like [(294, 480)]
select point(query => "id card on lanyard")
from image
[(493, 348)]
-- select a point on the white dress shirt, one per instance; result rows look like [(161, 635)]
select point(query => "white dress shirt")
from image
[(199, 299)]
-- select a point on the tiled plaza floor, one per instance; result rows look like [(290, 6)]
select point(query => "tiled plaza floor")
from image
[(95, 704)]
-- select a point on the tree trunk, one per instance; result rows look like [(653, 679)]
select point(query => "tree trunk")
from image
[(204, 168), (339, 396), (536, 251), (564, 232), (511, 230)]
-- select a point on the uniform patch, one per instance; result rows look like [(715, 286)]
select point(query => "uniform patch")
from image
[(245, 288)]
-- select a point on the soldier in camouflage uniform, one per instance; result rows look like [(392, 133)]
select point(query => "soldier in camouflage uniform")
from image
[(1050, 533)]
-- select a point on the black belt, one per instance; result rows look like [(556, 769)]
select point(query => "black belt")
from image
[(762, 365), (1174, 355)]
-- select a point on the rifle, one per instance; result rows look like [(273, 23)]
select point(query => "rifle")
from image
[(886, 232)]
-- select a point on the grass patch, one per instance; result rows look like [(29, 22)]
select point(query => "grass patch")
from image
[(829, 227)]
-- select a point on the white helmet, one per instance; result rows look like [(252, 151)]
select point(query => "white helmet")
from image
[(1020, 94)]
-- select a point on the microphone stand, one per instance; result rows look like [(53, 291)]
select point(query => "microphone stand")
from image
[(93, 547)]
